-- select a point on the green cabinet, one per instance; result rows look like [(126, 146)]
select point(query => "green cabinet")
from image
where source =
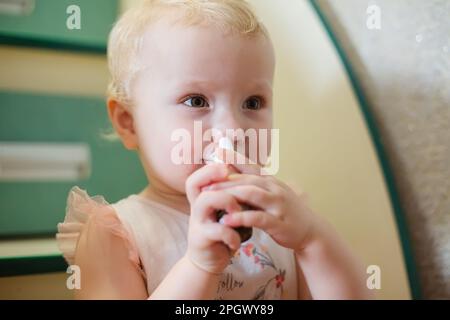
[(45, 23), (35, 207)]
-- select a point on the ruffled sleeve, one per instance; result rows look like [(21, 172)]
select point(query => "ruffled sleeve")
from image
[(79, 209)]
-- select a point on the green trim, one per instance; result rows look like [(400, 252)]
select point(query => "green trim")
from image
[(28, 236), (51, 44), (382, 158), (17, 266), (34, 256)]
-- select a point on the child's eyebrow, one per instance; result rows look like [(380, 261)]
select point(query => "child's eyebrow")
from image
[(195, 83), (263, 85)]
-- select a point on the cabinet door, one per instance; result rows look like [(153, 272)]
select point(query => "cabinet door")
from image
[(35, 207), (51, 23)]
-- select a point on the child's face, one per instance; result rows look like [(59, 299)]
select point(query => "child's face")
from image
[(197, 74)]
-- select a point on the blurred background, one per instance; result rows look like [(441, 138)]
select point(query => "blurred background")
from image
[(361, 99)]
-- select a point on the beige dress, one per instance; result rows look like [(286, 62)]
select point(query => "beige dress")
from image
[(156, 238)]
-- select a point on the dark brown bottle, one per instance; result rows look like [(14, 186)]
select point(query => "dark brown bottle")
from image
[(244, 232)]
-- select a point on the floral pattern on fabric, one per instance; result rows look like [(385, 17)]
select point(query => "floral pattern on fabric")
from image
[(260, 259)]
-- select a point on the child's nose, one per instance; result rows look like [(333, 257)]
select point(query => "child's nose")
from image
[(227, 120)]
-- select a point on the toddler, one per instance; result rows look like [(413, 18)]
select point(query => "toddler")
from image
[(175, 64)]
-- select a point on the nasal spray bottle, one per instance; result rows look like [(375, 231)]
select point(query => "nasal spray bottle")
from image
[(244, 232)]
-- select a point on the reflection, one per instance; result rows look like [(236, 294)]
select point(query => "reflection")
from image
[(47, 162)]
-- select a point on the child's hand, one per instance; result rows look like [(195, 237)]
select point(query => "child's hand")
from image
[(210, 244), (280, 211)]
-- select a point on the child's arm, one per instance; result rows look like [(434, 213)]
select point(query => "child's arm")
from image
[(186, 281), (210, 244), (106, 271), (326, 267), (303, 292), (330, 270)]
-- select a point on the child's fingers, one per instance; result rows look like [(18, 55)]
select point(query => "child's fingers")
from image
[(242, 179), (210, 201), (252, 218), (242, 163), (204, 176), (218, 232), (252, 195)]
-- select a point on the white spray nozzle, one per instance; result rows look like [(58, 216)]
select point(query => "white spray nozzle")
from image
[(224, 143)]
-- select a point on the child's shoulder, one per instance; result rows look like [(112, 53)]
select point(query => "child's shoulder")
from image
[(136, 206), (95, 217), (81, 207)]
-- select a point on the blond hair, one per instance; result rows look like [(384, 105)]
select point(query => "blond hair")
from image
[(125, 39)]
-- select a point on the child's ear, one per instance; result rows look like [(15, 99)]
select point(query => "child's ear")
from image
[(123, 122)]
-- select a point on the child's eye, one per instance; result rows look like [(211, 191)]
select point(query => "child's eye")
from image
[(196, 102), (253, 103)]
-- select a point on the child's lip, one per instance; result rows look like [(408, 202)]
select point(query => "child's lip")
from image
[(206, 188)]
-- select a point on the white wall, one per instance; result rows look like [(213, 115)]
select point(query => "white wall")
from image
[(325, 146)]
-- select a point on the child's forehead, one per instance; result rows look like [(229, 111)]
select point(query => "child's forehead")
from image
[(198, 54), (200, 41), (150, 28), (171, 49)]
